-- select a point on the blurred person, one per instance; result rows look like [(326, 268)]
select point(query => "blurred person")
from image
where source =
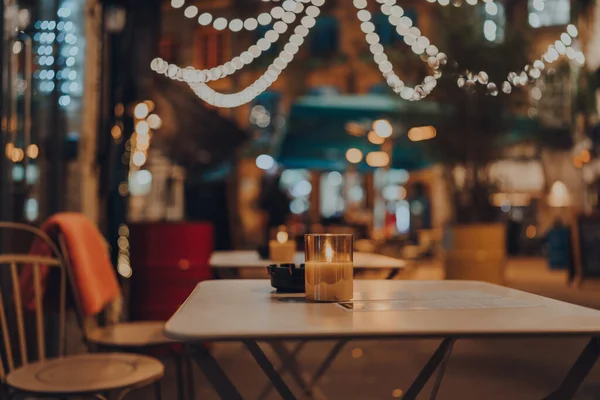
[(514, 228), (558, 242), (420, 211)]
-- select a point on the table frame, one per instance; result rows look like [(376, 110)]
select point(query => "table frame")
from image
[(437, 362), (426, 328)]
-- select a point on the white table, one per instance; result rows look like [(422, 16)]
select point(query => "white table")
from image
[(249, 259), (249, 311)]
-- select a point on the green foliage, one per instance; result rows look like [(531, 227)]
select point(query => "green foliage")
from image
[(477, 124), (473, 133), (589, 83)]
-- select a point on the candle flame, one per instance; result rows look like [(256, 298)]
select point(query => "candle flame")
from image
[(282, 237), (328, 252)]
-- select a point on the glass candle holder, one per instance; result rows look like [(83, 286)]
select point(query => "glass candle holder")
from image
[(282, 248), (329, 269)]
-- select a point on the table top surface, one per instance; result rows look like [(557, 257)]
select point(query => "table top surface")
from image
[(251, 259), (250, 309)]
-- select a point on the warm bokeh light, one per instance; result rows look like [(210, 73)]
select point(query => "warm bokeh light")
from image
[(123, 189), (265, 162), (394, 193), (585, 156), (9, 150), (154, 121), (151, 105), (397, 393), (33, 151), (119, 110), (123, 230), (116, 132), (141, 111), (124, 270), (17, 154), (421, 133), (282, 237), (142, 128), (531, 232), (383, 128), (138, 158), (355, 129), (354, 156), (378, 159), (375, 138), (142, 141), (559, 195), (357, 353), (142, 145), (123, 243)]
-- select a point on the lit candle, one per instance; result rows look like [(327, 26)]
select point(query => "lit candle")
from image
[(281, 249), (329, 267)]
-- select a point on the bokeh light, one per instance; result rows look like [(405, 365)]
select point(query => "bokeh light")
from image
[(354, 156)]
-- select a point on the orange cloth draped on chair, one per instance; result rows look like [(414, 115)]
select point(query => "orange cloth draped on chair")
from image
[(92, 274)]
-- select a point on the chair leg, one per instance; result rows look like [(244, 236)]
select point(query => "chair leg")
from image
[(10, 395), (178, 358), (157, 390)]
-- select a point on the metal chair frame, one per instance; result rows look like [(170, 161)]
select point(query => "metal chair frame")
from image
[(54, 262), (89, 323)]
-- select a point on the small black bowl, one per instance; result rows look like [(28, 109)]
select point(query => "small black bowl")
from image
[(287, 278)]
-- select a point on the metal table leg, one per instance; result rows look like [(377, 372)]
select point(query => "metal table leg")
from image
[(440, 374), (190, 378), (178, 359), (290, 364), (283, 367), (327, 362), (392, 274), (215, 375), (578, 372), (263, 361), (438, 358)]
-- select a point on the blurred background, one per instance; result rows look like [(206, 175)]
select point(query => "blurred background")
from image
[(461, 137), (329, 138)]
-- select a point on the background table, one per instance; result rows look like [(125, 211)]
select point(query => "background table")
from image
[(250, 259), (249, 311)]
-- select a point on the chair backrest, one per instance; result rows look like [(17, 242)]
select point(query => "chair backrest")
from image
[(13, 310)]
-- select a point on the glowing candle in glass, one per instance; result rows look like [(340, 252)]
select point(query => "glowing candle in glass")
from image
[(329, 267), (281, 248)]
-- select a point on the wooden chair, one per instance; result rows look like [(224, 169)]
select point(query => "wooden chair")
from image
[(60, 376), (136, 336)]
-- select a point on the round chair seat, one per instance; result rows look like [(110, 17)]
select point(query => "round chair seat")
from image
[(86, 373), (130, 334)]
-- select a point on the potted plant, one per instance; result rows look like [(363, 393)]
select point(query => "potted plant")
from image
[(473, 136)]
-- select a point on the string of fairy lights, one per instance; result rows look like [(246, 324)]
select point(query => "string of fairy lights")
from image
[(281, 17)]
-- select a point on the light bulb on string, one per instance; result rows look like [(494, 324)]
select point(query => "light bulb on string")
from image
[(307, 11)]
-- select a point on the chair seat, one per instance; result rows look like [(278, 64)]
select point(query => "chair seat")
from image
[(86, 374), (130, 334)]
